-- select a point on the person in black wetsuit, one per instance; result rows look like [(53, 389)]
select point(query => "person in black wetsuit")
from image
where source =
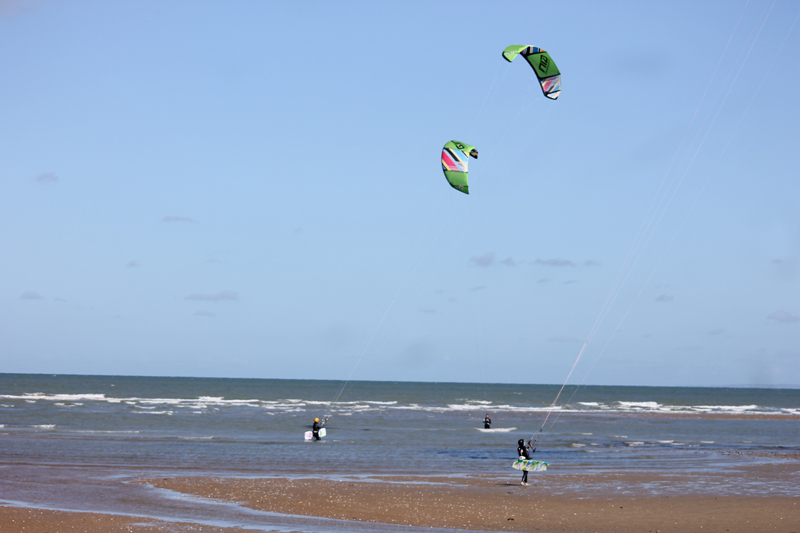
[(315, 429), (522, 451), (487, 422)]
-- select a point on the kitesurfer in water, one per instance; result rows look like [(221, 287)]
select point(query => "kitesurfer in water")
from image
[(315, 429), (487, 422), (522, 451)]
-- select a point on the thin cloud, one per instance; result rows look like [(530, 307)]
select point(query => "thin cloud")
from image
[(47, 177), (783, 317), (689, 348), (664, 298), (204, 314), (10, 8), (428, 310), (544, 280), (214, 297), (569, 282), (478, 288), (590, 263), (133, 264), (563, 339), (31, 295), (786, 269), (485, 260), (716, 331), (173, 218), (643, 64), (555, 262), (509, 261)]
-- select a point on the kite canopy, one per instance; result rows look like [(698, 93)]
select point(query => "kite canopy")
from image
[(542, 64), (455, 156)]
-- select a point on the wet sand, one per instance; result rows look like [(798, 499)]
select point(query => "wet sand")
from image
[(568, 504), (495, 505), (756, 492), (24, 520)]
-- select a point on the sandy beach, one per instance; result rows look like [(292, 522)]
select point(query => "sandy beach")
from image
[(601, 503), (495, 505), (482, 506)]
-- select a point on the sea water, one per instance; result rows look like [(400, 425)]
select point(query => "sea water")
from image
[(375, 427), (150, 426)]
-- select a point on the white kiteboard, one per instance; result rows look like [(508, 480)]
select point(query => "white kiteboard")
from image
[(495, 430), (310, 434), (530, 465)]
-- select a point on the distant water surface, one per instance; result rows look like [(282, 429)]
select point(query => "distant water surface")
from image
[(376, 427)]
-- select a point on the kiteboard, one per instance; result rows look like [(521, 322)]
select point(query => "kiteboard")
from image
[(495, 430), (310, 434), (530, 465)]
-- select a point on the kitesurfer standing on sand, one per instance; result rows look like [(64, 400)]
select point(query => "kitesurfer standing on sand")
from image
[(522, 451)]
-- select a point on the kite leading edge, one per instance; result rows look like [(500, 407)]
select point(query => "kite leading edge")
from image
[(541, 63)]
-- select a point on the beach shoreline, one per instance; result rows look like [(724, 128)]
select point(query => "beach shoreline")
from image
[(96, 454), (623, 502)]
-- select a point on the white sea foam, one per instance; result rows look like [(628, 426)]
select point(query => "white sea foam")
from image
[(639, 405), (44, 426), (296, 405), (729, 408), (53, 397), (577, 445)]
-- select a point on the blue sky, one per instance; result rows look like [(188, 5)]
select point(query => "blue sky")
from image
[(253, 189)]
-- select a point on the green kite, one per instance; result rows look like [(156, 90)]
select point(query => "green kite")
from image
[(455, 156), (542, 64)]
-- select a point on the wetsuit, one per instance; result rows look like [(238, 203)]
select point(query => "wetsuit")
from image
[(522, 450), (487, 422), (315, 430)]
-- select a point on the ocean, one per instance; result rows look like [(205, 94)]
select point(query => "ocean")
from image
[(138, 427)]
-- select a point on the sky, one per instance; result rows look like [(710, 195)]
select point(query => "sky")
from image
[(254, 189)]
